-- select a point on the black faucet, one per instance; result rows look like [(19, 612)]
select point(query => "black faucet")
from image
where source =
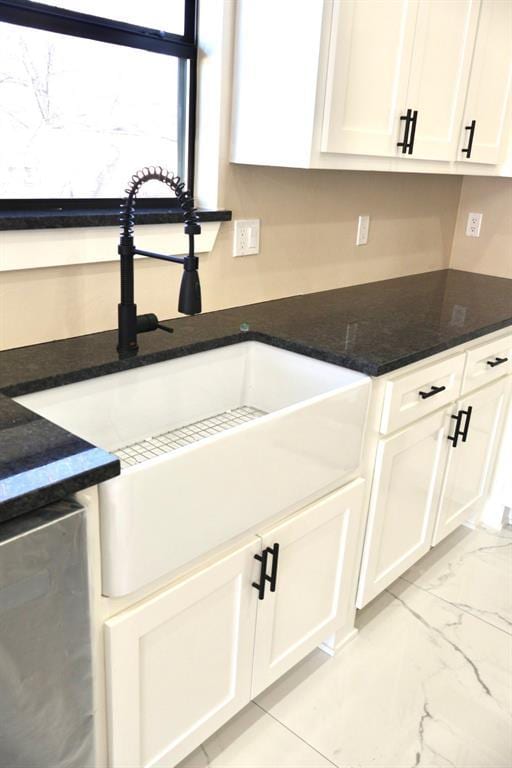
[(190, 291)]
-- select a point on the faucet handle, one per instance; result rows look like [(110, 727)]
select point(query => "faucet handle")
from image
[(150, 322), (165, 328)]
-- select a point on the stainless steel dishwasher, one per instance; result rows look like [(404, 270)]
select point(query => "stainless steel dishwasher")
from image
[(46, 700)]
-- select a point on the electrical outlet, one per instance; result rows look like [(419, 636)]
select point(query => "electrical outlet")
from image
[(246, 238), (474, 224), (363, 227)]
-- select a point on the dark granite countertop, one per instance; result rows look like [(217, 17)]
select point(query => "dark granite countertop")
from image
[(374, 328)]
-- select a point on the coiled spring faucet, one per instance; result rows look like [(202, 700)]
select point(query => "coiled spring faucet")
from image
[(190, 291)]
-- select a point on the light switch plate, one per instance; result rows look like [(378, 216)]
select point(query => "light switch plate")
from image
[(363, 228), (474, 224), (246, 238)]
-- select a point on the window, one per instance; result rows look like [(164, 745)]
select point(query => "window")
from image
[(86, 99)]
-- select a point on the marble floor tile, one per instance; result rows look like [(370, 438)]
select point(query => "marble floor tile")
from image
[(472, 570), (505, 532), (254, 739), (424, 684)]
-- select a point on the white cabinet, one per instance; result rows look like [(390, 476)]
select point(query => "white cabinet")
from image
[(417, 393), (479, 416), (387, 57), (487, 362), (435, 472), (311, 555), (370, 49), (486, 118), (179, 664), (374, 85), (442, 49), (403, 504)]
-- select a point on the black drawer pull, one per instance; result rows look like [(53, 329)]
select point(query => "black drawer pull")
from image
[(467, 414), (433, 391), (274, 551), (457, 433), (413, 131), (471, 128), (263, 574), (405, 143), (498, 361), (272, 579)]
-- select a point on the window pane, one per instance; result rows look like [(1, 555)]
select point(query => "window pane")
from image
[(78, 117), (166, 15)]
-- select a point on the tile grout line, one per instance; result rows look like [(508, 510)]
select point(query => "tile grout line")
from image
[(454, 605), (335, 765)]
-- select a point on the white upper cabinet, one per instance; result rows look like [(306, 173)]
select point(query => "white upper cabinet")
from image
[(488, 104), (370, 50), (441, 60), (374, 85)]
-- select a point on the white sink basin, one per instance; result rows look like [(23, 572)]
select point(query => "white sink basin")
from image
[(294, 432)]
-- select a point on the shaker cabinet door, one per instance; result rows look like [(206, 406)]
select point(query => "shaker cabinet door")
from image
[(469, 462), (179, 664), (486, 122), (314, 571), (368, 65), (442, 51), (403, 503)]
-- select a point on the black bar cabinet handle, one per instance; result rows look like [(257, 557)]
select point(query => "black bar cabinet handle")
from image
[(457, 416), (414, 120), (275, 561), (498, 361), (471, 128), (405, 143), (433, 391), (263, 574), (467, 414)]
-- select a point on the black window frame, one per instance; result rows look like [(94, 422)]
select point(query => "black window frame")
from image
[(184, 47)]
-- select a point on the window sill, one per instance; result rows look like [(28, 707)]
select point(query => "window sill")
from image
[(16, 220), (42, 247)]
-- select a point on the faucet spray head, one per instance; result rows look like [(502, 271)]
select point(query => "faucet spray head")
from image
[(190, 290)]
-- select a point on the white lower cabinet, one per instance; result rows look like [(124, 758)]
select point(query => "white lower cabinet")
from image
[(181, 663), (430, 478), (469, 459), (403, 504), (314, 574)]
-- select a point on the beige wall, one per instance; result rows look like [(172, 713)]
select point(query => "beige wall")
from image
[(491, 253), (308, 228)]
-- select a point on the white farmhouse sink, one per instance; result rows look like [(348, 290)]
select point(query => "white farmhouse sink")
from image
[(294, 432)]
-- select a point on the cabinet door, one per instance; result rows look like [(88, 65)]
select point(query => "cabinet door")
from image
[(368, 65), (489, 92), (179, 664), (468, 464), (315, 570), (443, 47), (403, 503)]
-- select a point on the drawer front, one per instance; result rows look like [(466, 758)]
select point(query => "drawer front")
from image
[(487, 363), (420, 392)]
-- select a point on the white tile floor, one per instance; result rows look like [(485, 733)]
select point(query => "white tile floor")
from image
[(427, 682)]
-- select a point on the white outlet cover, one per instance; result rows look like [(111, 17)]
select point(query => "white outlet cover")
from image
[(246, 237), (474, 224), (363, 228)]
